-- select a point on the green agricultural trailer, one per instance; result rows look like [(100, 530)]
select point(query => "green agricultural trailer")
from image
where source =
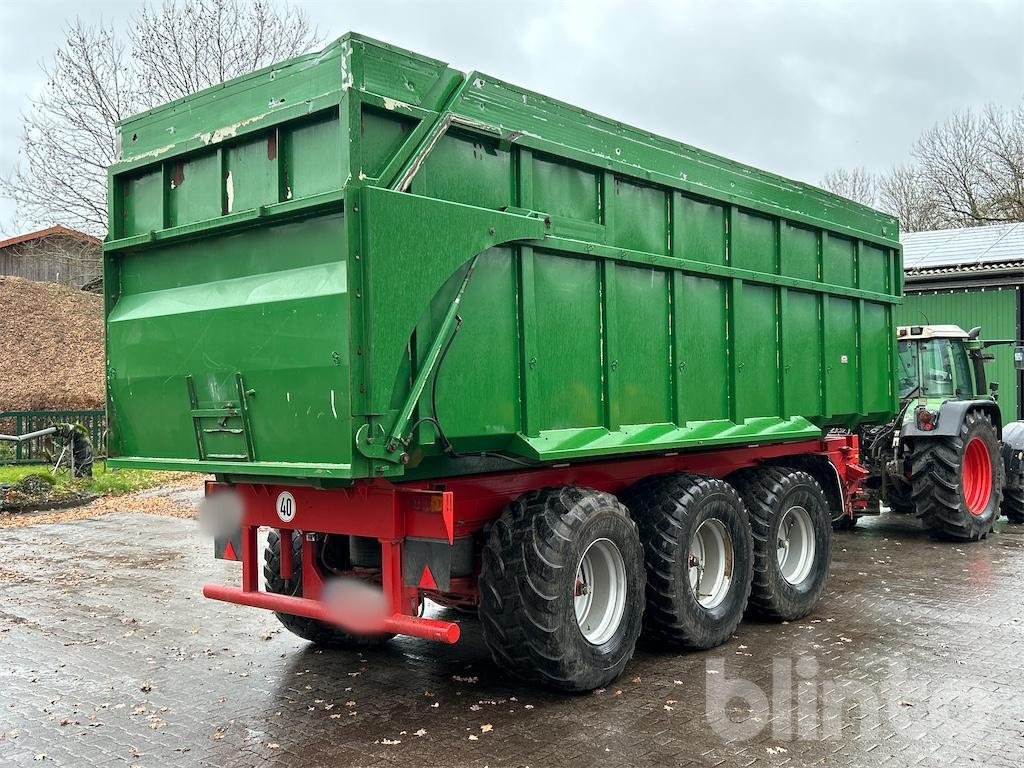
[(462, 342)]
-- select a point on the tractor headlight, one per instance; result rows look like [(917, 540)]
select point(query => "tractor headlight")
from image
[(927, 420)]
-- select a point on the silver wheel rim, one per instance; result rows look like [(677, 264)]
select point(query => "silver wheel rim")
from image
[(795, 546), (710, 563), (599, 597)]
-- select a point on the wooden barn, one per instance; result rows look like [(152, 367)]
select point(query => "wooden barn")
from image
[(53, 255)]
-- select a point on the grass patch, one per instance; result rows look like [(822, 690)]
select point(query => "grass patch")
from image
[(104, 482)]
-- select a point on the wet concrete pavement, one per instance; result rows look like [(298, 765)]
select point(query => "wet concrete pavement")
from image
[(109, 656)]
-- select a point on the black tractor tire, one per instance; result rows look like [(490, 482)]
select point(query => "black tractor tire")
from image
[(899, 498), (769, 493), (843, 522), (938, 475), (528, 588), (669, 510), (318, 632), (1013, 504)]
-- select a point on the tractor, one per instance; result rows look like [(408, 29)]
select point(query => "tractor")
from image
[(947, 457)]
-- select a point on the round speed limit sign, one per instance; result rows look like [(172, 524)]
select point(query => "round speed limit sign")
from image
[(286, 507)]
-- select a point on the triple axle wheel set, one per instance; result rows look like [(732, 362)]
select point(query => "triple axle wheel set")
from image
[(570, 576)]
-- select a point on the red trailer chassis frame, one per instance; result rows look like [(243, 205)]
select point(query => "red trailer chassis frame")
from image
[(447, 509)]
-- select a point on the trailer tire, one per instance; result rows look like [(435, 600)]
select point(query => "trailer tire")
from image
[(958, 480), (531, 592), (1013, 503), (788, 581), (318, 632), (672, 511)]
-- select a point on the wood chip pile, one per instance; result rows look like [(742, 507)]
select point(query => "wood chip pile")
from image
[(51, 347)]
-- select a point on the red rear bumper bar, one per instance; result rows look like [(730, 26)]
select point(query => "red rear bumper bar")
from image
[(428, 629)]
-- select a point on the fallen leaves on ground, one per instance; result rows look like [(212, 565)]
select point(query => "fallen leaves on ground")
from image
[(164, 500)]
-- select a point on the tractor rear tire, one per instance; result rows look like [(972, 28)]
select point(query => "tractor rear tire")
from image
[(958, 480), (690, 524), (1013, 503), (318, 632), (792, 532), (562, 588)]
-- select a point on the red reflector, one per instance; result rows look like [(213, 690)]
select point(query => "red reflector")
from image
[(427, 579), (229, 551)]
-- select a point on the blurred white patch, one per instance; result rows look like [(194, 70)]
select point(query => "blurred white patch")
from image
[(220, 514), (355, 605)]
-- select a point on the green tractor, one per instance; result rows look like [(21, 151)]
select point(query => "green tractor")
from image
[(947, 457)]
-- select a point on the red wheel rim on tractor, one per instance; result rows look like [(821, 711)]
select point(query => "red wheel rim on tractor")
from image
[(977, 476)]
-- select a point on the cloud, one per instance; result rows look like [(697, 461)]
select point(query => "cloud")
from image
[(797, 88)]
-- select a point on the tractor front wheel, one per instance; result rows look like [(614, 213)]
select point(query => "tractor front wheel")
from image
[(1013, 503), (899, 497), (958, 480)]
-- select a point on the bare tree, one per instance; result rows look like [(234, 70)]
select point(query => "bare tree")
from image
[(856, 184), (98, 77), (903, 193), (950, 156), (69, 138), (966, 171), (181, 49), (973, 166), (1004, 148)]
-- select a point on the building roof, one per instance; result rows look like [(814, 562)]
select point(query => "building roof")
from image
[(972, 249), (48, 232)]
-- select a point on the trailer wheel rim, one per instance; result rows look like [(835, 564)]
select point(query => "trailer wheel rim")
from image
[(599, 598), (795, 545), (710, 563), (977, 476)]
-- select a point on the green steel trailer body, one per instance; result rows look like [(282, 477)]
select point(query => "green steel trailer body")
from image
[(460, 341), (289, 243)]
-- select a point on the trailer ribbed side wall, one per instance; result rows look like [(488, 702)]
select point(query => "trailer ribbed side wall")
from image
[(285, 248)]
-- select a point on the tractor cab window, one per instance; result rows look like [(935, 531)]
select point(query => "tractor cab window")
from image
[(928, 365), (908, 368), (964, 377), (936, 368)]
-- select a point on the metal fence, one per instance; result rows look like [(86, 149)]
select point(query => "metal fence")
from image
[(38, 450)]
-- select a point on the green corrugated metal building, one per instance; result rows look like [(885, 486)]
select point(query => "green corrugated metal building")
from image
[(970, 277)]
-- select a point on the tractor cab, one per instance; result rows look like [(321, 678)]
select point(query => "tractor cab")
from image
[(941, 362)]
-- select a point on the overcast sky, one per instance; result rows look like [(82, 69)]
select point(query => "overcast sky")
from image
[(794, 87)]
